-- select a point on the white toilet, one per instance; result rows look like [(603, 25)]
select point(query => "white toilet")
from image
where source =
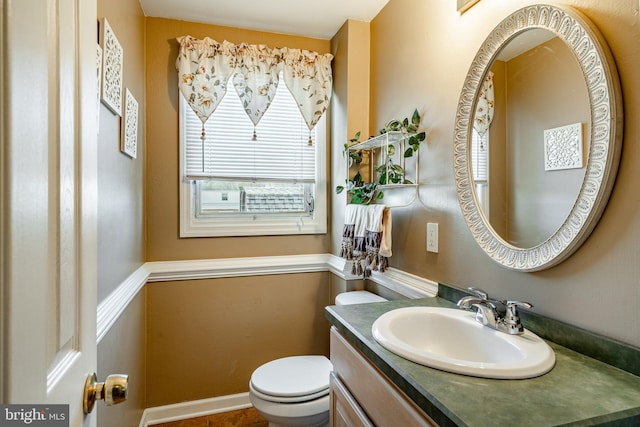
[(294, 391)]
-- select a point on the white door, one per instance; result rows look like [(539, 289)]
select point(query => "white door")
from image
[(48, 202)]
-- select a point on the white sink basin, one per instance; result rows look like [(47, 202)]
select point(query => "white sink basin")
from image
[(452, 340)]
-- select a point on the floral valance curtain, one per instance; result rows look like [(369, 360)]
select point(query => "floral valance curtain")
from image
[(256, 79), (309, 78), (485, 106), (204, 67), (203, 71)]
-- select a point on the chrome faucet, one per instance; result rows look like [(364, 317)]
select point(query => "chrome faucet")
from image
[(497, 314)]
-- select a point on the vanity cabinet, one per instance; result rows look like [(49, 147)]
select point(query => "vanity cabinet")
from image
[(362, 396), (345, 411), (387, 390)]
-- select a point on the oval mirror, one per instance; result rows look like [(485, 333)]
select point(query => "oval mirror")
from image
[(537, 137)]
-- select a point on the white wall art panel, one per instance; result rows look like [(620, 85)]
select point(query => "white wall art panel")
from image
[(563, 147), (112, 65)]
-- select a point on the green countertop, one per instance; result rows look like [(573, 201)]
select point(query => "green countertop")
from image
[(578, 391)]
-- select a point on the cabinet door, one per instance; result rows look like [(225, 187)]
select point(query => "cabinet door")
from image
[(384, 403), (345, 411)]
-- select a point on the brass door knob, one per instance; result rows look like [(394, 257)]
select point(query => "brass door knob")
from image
[(113, 391)]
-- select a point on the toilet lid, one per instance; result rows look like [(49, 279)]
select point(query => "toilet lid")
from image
[(357, 297), (293, 376)]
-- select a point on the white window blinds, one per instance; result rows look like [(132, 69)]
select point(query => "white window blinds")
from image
[(479, 158), (280, 153)]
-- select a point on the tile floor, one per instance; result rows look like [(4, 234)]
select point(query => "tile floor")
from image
[(241, 418)]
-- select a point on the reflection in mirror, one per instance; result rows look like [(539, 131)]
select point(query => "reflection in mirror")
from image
[(534, 85), (550, 147)]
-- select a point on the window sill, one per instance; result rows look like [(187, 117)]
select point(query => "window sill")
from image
[(194, 227)]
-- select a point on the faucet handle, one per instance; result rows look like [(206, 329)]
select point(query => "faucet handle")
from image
[(478, 292), (511, 319), (511, 305)]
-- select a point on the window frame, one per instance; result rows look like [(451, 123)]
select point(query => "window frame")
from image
[(256, 224)]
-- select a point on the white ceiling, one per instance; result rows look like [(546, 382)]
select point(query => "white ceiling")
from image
[(310, 18)]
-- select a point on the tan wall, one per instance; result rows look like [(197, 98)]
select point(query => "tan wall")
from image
[(162, 203), (205, 337), (121, 178), (498, 152), (121, 219), (545, 89), (349, 113), (421, 52)]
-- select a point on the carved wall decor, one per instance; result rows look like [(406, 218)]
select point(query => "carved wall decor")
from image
[(130, 128), (112, 63), (563, 147)]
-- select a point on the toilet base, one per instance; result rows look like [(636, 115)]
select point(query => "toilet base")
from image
[(315, 425), (304, 414)]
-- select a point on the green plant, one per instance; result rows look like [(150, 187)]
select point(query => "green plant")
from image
[(388, 172), (408, 127), (362, 193), (354, 156)]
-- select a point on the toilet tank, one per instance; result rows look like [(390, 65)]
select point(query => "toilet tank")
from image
[(357, 297)]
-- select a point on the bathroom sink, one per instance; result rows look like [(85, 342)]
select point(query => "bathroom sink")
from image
[(452, 340)]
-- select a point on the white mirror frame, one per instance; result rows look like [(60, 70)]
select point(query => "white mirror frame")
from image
[(605, 138)]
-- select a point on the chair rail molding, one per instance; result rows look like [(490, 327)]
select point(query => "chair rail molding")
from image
[(163, 271), (111, 307)]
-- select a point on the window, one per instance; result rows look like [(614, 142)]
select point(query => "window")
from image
[(479, 164), (479, 152), (236, 186)]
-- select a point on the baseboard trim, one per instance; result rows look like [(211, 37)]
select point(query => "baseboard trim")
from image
[(193, 409)]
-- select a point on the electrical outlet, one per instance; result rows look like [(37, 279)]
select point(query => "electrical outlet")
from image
[(432, 237)]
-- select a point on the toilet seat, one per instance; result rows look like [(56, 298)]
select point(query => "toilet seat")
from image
[(288, 399), (292, 379)]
